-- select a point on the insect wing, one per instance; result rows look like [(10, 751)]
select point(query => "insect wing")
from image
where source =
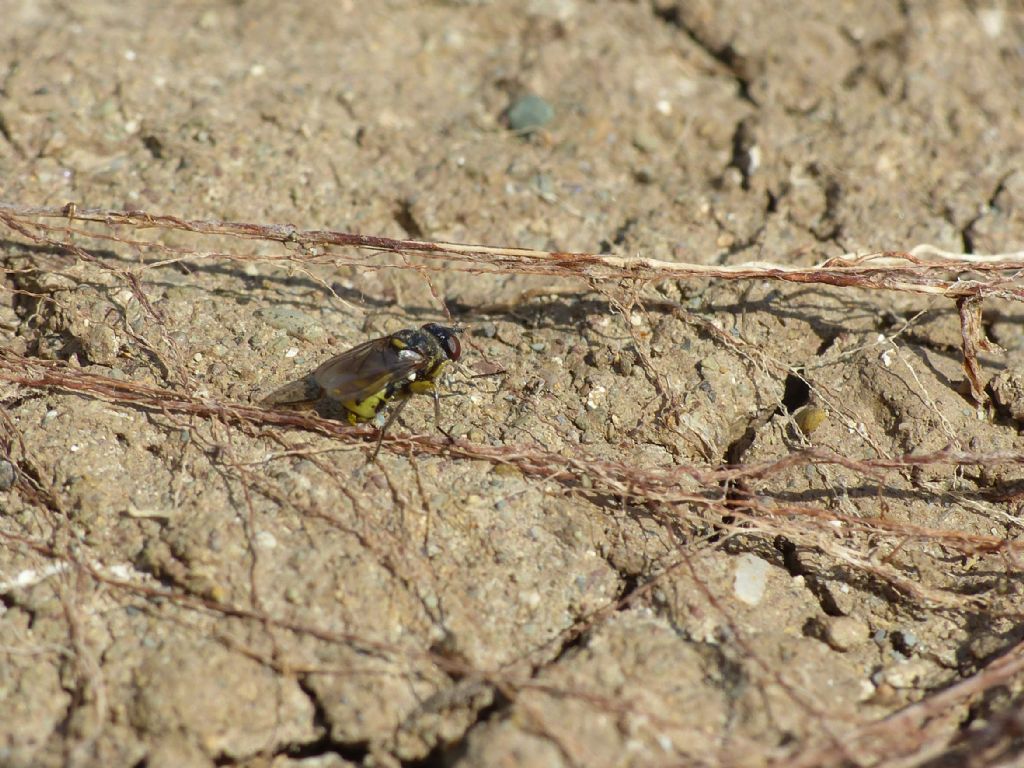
[(366, 370), (305, 390)]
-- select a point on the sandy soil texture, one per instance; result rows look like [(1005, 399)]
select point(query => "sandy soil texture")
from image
[(672, 519)]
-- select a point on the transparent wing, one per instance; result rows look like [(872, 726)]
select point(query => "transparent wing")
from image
[(295, 393), (366, 370)]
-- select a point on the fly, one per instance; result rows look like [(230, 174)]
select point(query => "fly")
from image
[(366, 378)]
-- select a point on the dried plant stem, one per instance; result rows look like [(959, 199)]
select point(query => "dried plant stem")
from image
[(682, 483), (923, 270)]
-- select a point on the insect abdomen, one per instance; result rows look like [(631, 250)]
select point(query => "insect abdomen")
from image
[(295, 393), (367, 408)]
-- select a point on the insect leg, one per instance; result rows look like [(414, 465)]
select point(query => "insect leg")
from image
[(391, 417), (423, 387), (437, 418)]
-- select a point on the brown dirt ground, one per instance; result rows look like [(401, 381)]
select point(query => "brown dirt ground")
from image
[(189, 590)]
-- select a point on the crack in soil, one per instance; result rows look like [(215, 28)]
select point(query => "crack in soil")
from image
[(725, 55), (323, 745)]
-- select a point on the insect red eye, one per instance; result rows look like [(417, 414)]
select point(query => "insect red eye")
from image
[(454, 347)]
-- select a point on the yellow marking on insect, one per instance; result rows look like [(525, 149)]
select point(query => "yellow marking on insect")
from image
[(422, 387), (365, 409)]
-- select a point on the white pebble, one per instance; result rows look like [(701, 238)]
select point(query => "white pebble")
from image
[(751, 578)]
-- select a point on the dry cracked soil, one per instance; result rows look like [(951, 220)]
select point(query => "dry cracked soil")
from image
[(574, 576)]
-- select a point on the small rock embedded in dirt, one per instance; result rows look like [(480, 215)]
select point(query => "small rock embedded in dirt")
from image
[(751, 578), (7, 475), (530, 113), (907, 674), (809, 418), (845, 632), (1008, 392), (904, 641)]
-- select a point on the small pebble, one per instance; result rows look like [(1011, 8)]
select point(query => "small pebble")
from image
[(1008, 392), (845, 632), (7, 475), (531, 599), (646, 141), (809, 418), (904, 641), (644, 175), (529, 114), (266, 540), (751, 578), (907, 674), (884, 694)]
